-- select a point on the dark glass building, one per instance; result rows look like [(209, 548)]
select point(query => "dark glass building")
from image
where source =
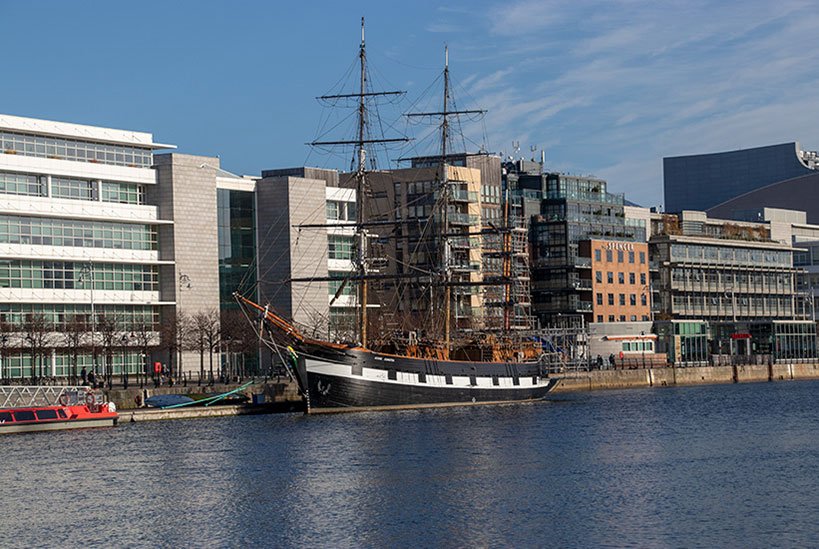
[(702, 181), (236, 214), (570, 209)]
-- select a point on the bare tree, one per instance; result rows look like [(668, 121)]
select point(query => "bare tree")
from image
[(239, 338), (6, 331), (144, 338), (37, 335), (208, 332), (76, 328), (108, 325), (174, 332)]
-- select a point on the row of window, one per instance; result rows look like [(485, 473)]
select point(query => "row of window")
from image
[(18, 365), (621, 254), (621, 277), (69, 275), (622, 318), (84, 234), (58, 316), (74, 149), (22, 184), (718, 254), (728, 303), (71, 188), (632, 299)]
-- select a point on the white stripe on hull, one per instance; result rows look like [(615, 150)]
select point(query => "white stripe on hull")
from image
[(314, 366)]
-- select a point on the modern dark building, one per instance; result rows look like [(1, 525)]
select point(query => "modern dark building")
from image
[(570, 210), (703, 181)]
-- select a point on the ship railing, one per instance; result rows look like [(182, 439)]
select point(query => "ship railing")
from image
[(36, 395)]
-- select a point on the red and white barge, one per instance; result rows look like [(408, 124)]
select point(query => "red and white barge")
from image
[(65, 415)]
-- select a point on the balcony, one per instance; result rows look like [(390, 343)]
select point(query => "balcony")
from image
[(460, 195), (466, 266), (583, 306), (462, 219)]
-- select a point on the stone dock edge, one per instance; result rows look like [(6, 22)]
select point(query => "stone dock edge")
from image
[(283, 396)]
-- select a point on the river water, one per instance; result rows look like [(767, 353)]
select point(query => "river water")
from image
[(729, 465)]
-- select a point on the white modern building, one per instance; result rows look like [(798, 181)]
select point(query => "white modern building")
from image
[(79, 247)]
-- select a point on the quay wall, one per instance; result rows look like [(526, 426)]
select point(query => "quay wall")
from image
[(668, 377), (275, 392)]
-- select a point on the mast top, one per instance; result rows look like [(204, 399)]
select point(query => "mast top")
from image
[(446, 56), (362, 31)]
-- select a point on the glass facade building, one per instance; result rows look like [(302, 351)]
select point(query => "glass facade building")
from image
[(236, 213)]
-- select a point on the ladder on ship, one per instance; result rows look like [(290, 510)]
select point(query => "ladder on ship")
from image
[(16, 396)]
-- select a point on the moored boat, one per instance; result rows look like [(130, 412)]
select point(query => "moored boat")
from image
[(456, 262), (65, 415)]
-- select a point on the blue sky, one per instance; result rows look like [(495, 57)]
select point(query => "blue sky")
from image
[(605, 88)]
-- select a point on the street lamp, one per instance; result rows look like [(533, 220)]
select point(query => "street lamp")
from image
[(184, 283), (87, 277), (124, 370)]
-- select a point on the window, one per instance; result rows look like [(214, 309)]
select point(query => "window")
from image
[(609, 256), (5, 416), (20, 183), (597, 255), (622, 318), (598, 277), (631, 257), (632, 299), (85, 234), (122, 193), (643, 300), (340, 246), (621, 278), (619, 256), (633, 318), (642, 258), (73, 149), (611, 299), (610, 277), (26, 415), (599, 299), (631, 278), (74, 189), (611, 318), (46, 414), (622, 299), (643, 279)]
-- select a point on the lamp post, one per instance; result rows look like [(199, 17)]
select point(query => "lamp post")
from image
[(184, 283), (124, 340), (4, 341), (87, 277)]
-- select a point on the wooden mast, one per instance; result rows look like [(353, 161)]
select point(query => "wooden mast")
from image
[(360, 158), (361, 233), (445, 214)]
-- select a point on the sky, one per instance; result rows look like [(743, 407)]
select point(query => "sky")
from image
[(606, 88)]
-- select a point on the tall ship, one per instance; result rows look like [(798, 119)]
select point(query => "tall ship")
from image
[(442, 313)]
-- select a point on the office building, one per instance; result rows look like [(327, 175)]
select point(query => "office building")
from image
[(83, 272), (720, 183)]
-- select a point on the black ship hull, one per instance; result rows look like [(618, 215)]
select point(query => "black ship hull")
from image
[(357, 380)]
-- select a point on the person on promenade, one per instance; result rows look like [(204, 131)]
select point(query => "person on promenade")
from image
[(612, 362), (599, 362), (84, 375)]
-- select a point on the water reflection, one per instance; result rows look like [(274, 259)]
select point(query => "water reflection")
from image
[(707, 466)]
